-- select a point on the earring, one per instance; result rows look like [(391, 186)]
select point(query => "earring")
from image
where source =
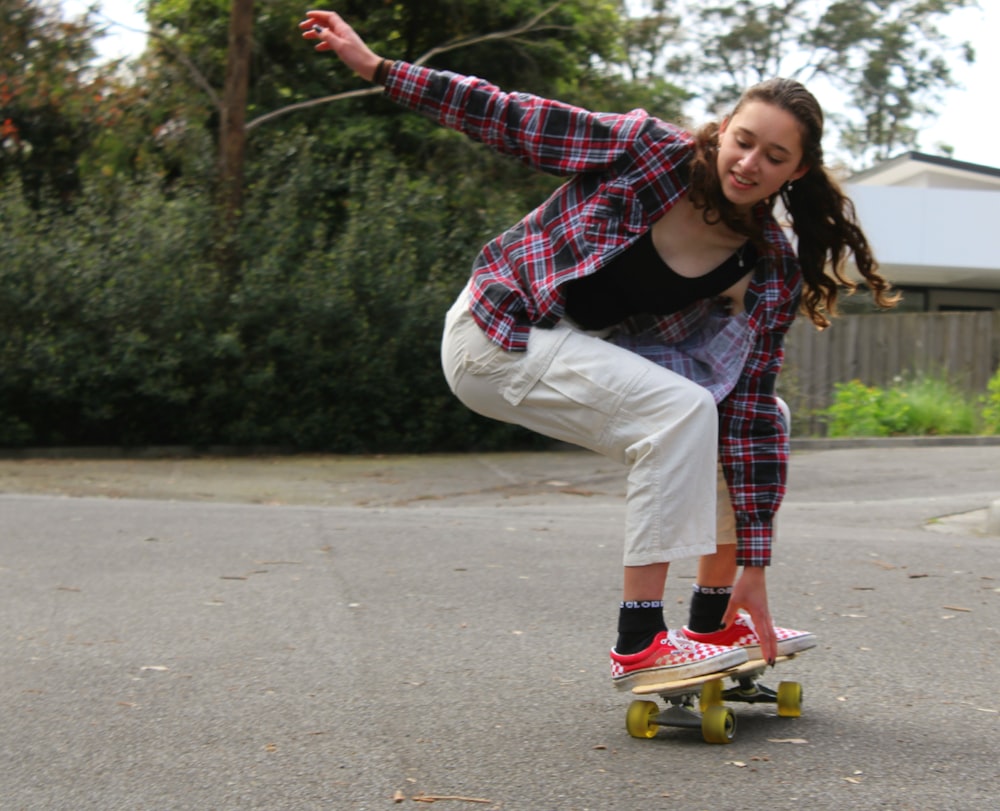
[(788, 187)]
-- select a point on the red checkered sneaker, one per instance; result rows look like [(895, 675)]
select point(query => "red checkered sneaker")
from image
[(742, 634), (672, 657)]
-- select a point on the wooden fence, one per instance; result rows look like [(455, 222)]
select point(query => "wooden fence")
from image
[(962, 347)]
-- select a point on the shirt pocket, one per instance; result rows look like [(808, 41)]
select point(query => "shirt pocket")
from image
[(612, 216)]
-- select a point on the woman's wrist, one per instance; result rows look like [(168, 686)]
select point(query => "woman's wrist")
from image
[(382, 71)]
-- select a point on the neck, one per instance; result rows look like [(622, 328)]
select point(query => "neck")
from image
[(719, 231)]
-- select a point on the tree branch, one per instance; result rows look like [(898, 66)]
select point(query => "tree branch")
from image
[(304, 105), (530, 26), (197, 75), (511, 33)]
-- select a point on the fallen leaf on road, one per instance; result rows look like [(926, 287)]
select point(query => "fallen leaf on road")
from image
[(797, 741)]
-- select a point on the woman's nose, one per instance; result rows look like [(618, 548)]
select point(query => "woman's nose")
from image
[(750, 161)]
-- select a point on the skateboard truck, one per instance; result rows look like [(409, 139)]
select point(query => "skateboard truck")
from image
[(716, 721), (750, 691)]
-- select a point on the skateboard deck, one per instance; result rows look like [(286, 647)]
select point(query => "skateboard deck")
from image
[(716, 721)]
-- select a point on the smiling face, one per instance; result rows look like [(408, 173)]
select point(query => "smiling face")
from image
[(760, 149)]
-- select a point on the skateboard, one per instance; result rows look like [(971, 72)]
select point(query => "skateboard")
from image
[(716, 721)]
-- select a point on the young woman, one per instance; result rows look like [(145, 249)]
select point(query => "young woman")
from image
[(640, 312)]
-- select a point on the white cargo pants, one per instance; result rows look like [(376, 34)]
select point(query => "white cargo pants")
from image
[(578, 388)]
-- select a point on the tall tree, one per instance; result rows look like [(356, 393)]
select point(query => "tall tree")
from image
[(232, 135), (52, 104), (888, 57), (897, 67)]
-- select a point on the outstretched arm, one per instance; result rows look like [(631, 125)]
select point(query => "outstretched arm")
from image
[(333, 34), (546, 134)]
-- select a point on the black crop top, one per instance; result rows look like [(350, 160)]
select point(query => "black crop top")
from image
[(639, 282)]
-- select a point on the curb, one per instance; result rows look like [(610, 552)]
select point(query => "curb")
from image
[(108, 452), (830, 444)]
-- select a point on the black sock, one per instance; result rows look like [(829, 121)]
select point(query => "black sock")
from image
[(639, 621), (708, 606)]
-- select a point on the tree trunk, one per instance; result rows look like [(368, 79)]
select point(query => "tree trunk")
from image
[(232, 133)]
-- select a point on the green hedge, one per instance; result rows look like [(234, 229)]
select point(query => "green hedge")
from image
[(912, 407), (119, 329)]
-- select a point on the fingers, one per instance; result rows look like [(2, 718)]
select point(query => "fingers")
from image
[(763, 625), (326, 19), (312, 30), (730, 616), (768, 641), (322, 26), (750, 594)]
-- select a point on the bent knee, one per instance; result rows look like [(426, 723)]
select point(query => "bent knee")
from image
[(700, 404)]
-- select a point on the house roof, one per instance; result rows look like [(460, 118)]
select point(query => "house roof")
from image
[(931, 220), (928, 171)]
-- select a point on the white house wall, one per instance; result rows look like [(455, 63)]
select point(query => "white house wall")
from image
[(932, 236)]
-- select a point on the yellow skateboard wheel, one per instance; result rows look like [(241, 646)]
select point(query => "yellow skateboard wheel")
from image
[(639, 720), (789, 699), (718, 724)]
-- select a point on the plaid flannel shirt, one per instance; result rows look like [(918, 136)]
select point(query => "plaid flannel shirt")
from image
[(625, 171)]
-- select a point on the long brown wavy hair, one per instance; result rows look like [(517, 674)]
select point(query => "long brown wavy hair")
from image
[(822, 216)]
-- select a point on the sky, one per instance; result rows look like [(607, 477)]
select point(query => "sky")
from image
[(969, 122)]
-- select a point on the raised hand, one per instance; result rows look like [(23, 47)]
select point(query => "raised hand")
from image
[(333, 34)]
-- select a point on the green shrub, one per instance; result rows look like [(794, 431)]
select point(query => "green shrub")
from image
[(916, 407), (119, 328), (991, 405), (108, 314), (339, 319), (856, 411), (936, 407)]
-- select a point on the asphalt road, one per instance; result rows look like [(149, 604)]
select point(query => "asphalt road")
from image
[(326, 633)]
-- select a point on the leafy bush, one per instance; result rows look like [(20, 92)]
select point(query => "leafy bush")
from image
[(338, 318), (108, 315), (856, 411), (119, 329), (991, 405), (936, 407), (920, 406)]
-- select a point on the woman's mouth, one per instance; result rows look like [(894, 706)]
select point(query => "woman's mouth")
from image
[(741, 181)]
